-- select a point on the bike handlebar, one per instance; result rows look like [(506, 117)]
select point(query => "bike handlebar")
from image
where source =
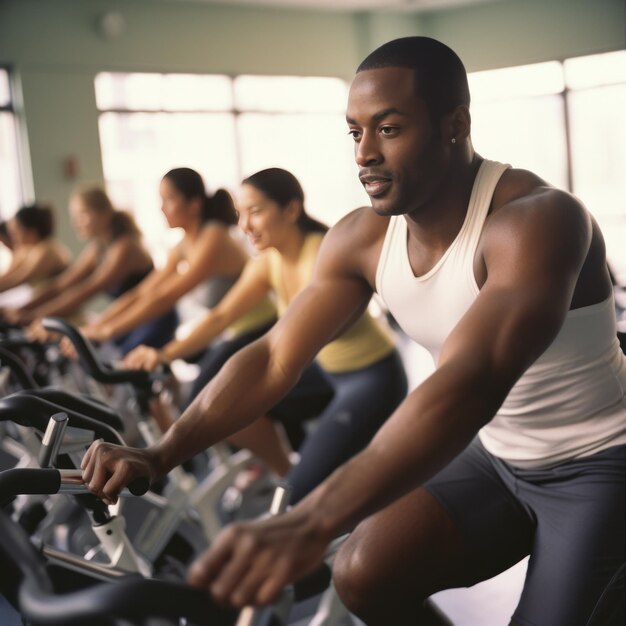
[(90, 361), (18, 369), (28, 410), (80, 404), (128, 598), (21, 481), (131, 598), (48, 481)]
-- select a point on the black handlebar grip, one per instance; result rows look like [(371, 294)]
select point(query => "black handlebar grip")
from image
[(18, 481), (139, 486), (18, 369), (92, 363)]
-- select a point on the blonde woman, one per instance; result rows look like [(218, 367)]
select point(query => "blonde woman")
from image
[(113, 261)]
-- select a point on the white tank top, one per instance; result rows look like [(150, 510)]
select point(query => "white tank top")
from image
[(570, 402)]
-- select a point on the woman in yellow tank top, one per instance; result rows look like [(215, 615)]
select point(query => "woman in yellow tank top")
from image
[(359, 376)]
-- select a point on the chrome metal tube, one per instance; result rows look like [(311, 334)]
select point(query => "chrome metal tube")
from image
[(52, 439)]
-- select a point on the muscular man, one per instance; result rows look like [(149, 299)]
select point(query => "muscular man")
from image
[(513, 446)]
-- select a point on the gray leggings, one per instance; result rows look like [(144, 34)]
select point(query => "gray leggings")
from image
[(571, 516), (361, 403)]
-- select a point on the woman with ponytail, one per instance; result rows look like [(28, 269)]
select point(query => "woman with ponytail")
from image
[(360, 370), (113, 261), (204, 265)]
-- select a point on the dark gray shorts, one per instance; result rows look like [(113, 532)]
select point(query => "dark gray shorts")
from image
[(573, 514)]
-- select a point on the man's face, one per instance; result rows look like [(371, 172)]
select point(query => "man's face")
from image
[(397, 148)]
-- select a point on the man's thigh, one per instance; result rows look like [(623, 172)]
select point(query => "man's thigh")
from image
[(579, 542), (416, 546)]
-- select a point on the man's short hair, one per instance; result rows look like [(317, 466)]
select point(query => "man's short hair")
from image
[(440, 76)]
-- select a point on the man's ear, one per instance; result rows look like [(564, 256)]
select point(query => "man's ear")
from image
[(456, 125)]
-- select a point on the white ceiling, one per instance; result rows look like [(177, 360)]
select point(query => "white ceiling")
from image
[(356, 5)]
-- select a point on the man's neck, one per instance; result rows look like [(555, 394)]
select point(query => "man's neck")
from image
[(435, 225)]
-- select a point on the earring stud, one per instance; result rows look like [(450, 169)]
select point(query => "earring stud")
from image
[(453, 140)]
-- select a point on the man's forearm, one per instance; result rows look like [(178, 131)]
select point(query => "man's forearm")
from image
[(247, 386)]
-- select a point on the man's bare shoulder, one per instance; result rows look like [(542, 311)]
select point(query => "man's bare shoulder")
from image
[(522, 188), (546, 230), (353, 244), (360, 227), (523, 199)]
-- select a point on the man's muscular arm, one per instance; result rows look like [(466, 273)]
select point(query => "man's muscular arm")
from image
[(533, 251)]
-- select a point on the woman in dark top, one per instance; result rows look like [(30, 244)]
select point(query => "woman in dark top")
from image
[(113, 260), (203, 266)]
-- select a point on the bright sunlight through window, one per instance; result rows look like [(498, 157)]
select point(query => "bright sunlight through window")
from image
[(225, 129), (562, 120), (10, 186), (565, 122)]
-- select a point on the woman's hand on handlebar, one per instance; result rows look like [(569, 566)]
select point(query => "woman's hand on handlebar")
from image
[(108, 468), (251, 562), (96, 332), (144, 358), (68, 349), (36, 332)]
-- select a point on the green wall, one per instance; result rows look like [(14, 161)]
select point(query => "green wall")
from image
[(515, 32), (55, 49)]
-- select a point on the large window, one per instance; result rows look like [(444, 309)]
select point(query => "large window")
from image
[(564, 121), (596, 103), (10, 181), (226, 129)]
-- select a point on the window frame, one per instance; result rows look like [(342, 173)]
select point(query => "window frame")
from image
[(234, 110), (239, 152), (24, 171), (562, 93)]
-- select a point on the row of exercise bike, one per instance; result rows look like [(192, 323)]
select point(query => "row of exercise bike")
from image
[(68, 558)]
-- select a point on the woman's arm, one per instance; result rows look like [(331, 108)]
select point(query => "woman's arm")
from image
[(73, 275), (112, 270), (129, 299), (12, 277), (202, 264), (243, 296), (34, 265)]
